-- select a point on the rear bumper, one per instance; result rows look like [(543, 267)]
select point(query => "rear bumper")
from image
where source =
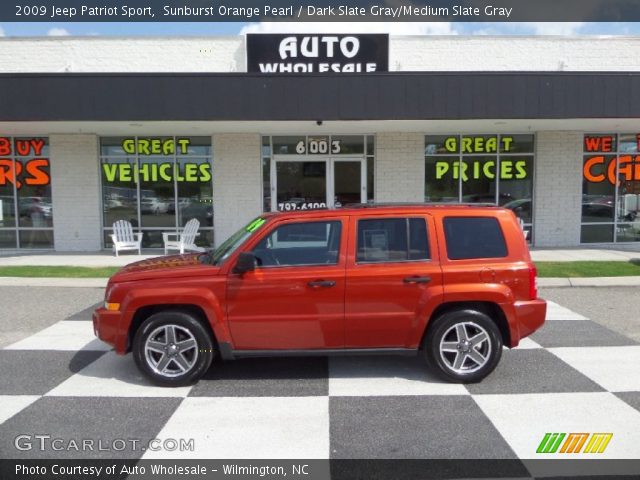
[(530, 316), (106, 326)]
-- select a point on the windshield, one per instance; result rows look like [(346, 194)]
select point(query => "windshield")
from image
[(224, 251)]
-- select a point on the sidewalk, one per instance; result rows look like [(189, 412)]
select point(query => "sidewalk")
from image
[(582, 254), (91, 259), (551, 282), (106, 259)]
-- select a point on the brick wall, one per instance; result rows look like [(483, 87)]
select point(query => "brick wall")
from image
[(558, 189), (399, 174), (406, 53), (511, 53), (75, 188), (237, 182), (122, 54)]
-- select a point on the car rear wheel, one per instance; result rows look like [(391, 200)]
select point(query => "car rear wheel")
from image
[(463, 346), (173, 349)]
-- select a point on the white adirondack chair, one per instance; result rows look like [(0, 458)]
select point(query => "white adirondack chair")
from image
[(186, 240), (123, 237), (525, 232)]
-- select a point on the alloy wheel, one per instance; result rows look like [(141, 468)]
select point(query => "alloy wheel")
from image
[(171, 350), (465, 347)]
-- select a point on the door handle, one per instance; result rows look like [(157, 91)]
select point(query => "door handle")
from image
[(321, 283), (416, 279)]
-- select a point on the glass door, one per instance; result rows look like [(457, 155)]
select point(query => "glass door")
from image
[(311, 183), (348, 181), (299, 184)]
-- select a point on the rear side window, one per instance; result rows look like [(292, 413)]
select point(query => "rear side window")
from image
[(474, 237), (392, 240)]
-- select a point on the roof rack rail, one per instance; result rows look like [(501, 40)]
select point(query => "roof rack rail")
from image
[(417, 204)]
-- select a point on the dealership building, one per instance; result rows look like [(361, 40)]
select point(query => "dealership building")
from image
[(158, 131)]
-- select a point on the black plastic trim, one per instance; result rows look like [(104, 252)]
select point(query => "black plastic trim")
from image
[(226, 352), (331, 352)]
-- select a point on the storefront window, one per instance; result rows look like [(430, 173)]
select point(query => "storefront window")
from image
[(479, 182), (349, 144), (610, 188), (495, 169), (441, 187), (158, 184), (302, 172), (26, 210), (119, 190)]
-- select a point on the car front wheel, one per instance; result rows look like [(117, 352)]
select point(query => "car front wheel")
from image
[(463, 346), (173, 349)]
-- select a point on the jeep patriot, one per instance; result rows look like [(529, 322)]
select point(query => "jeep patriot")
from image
[(451, 283)]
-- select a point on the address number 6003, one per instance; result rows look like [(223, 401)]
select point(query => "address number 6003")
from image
[(318, 147)]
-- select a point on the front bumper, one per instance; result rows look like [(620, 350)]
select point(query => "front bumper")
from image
[(106, 326), (530, 316)]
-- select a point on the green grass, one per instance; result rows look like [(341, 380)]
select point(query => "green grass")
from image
[(62, 272), (587, 269), (545, 269)]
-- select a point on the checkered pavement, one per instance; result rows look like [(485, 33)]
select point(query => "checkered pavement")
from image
[(572, 376)]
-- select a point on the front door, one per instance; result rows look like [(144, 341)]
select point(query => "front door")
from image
[(294, 299), (313, 182), (299, 184)]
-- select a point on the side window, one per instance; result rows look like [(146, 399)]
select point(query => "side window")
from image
[(392, 240), (474, 237), (304, 243)]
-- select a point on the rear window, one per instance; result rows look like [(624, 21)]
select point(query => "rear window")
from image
[(474, 237), (392, 240)]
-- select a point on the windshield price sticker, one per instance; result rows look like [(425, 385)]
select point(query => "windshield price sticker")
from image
[(318, 146), (291, 206)]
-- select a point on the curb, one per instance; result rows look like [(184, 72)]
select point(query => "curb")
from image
[(589, 282), (53, 282)]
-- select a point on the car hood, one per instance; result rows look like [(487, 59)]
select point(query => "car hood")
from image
[(163, 267)]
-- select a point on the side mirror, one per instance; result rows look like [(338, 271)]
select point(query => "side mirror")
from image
[(246, 263)]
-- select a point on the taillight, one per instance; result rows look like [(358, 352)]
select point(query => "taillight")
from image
[(533, 282)]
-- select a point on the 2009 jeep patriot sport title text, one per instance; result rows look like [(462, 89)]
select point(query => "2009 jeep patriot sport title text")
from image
[(453, 283)]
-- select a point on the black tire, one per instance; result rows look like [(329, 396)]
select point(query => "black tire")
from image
[(186, 330), (445, 328)]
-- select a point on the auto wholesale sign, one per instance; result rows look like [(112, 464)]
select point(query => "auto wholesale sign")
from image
[(276, 53)]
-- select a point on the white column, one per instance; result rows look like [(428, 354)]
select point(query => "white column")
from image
[(399, 171), (75, 189), (237, 182), (558, 189)]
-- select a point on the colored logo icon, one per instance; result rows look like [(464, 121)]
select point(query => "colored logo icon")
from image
[(574, 443)]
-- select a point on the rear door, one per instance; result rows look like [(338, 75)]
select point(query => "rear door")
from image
[(393, 279)]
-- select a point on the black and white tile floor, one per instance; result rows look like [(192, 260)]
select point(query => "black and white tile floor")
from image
[(572, 376)]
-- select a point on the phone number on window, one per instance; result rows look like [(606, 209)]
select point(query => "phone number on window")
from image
[(289, 206)]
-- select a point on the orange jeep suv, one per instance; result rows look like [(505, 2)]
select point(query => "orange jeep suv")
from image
[(452, 283)]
